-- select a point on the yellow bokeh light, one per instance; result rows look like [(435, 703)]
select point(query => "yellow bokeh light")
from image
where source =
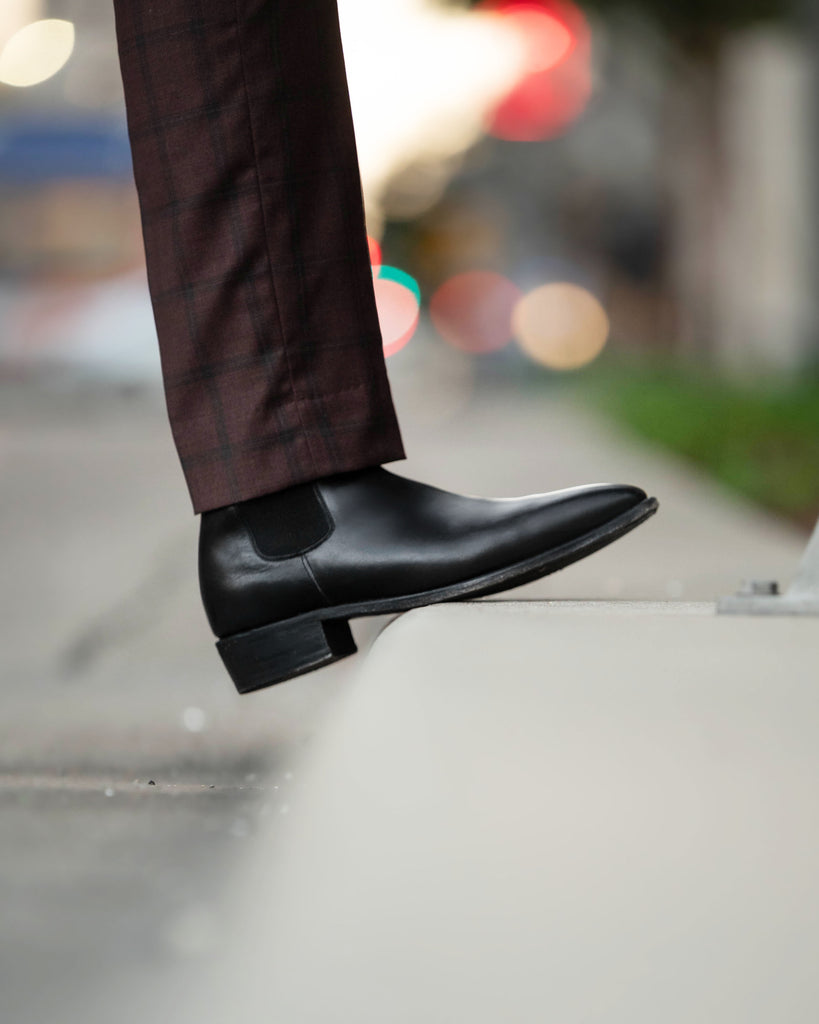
[(36, 52), (561, 326)]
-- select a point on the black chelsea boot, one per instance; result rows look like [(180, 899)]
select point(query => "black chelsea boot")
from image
[(281, 575)]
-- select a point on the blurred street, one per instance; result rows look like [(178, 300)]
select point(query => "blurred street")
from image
[(134, 783), (592, 232)]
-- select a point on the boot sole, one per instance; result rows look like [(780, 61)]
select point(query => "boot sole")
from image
[(283, 650)]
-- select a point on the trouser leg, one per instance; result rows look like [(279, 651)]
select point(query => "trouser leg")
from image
[(250, 195)]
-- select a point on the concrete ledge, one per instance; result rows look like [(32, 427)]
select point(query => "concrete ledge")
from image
[(535, 812)]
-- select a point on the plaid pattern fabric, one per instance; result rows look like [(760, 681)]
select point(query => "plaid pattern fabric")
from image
[(250, 195)]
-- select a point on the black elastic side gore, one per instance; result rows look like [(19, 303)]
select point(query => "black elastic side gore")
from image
[(288, 522)]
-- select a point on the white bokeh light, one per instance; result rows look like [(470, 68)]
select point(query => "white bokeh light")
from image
[(36, 52), (422, 79)]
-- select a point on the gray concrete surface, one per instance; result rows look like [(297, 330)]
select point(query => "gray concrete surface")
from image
[(532, 812), (115, 889)]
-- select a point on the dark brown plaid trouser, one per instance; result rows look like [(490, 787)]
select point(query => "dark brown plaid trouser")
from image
[(248, 180)]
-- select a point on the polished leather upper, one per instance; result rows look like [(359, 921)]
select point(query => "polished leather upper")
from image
[(390, 537)]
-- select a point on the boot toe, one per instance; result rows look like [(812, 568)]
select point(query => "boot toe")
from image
[(602, 502), (551, 520)]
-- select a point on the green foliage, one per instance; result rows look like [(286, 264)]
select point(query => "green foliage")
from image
[(761, 442)]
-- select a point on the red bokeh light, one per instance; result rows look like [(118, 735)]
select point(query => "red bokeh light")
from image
[(473, 310), (556, 83), (375, 251), (548, 39)]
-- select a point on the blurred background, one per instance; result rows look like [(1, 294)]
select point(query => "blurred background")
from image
[(594, 236), (614, 198)]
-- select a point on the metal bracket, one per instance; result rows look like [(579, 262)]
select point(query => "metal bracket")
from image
[(762, 597)]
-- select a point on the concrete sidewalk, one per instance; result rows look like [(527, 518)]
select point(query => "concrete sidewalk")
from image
[(135, 786)]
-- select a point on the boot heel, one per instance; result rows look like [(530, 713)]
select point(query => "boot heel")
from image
[(270, 654)]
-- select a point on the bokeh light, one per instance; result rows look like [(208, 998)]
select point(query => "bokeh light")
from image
[(421, 76), (547, 39), (555, 85), (14, 14), (398, 299), (473, 311), (561, 326), (36, 52), (375, 251)]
